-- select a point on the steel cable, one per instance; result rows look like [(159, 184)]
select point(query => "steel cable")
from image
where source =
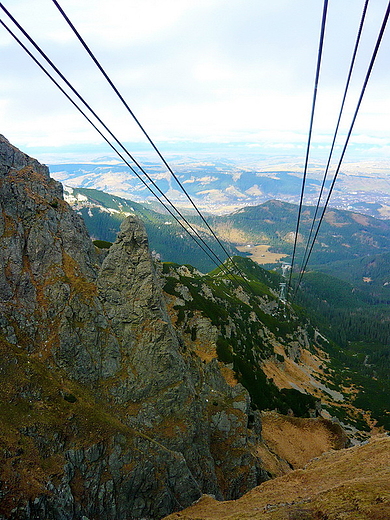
[(319, 58), (108, 142), (367, 77), (335, 133), (106, 128), (97, 63)]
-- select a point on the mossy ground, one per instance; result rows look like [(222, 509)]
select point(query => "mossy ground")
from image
[(43, 414)]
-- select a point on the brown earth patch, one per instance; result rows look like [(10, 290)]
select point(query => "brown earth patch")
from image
[(360, 219), (228, 374), (384, 211), (291, 374), (261, 254), (231, 234), (331, 218)]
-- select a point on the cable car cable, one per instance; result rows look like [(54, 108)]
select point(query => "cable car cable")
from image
[(319, 58), (336, 131), (106, 128), (108, 142), (370, 67), (91, 54)]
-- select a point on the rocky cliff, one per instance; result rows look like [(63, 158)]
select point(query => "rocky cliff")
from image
[(106, 413)]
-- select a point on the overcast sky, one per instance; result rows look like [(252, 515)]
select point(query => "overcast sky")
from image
[(196, 73)]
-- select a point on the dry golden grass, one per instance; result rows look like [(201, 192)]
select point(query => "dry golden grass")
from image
[(331, 218), (228, 374), (349, 484), (296, 440), (271, 462), (261, 254), (291, 374), (231, 234)]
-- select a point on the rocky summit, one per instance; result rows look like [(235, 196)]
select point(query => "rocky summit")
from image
[(106, 412)]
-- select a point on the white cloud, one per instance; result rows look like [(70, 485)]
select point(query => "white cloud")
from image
[(195, 70)]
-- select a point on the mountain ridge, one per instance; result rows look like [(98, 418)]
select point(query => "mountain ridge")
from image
[(98, 390), (344, 235), (119, 399)]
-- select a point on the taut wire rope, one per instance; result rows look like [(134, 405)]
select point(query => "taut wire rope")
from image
[(109, 143), (319, 58), (336, 130), (97, 63), (367, 77), (220, 263)]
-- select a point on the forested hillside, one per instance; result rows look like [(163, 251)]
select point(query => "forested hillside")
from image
[(103, 214), (344, 237), (345, 292), (359, 325)]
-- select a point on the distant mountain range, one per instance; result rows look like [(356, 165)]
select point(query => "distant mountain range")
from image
[(220, 185), (344, 236)]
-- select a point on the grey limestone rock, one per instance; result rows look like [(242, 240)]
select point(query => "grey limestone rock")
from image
[(122, 418)]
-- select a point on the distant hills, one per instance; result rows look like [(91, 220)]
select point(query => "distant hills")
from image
[(344, 236), (222, 184), (103, 214)]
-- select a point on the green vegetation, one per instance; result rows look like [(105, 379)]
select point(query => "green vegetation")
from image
[(266, 395), (358, 327), (234, 306), (102, 244), (104, 213)]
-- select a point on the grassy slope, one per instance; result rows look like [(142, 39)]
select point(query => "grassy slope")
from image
[(350, 484), (260, 361), (249, 326)]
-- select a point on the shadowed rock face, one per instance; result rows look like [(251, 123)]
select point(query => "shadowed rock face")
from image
[(107, 413)]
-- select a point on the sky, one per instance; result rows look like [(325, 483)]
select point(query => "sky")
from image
[(228, 75)]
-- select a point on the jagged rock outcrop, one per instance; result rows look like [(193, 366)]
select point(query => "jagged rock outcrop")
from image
[(106, 412)]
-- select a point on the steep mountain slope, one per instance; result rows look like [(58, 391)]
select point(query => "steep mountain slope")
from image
[(273, 349), (105, 411), (356, 320), (352, 484), (336, 307)]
